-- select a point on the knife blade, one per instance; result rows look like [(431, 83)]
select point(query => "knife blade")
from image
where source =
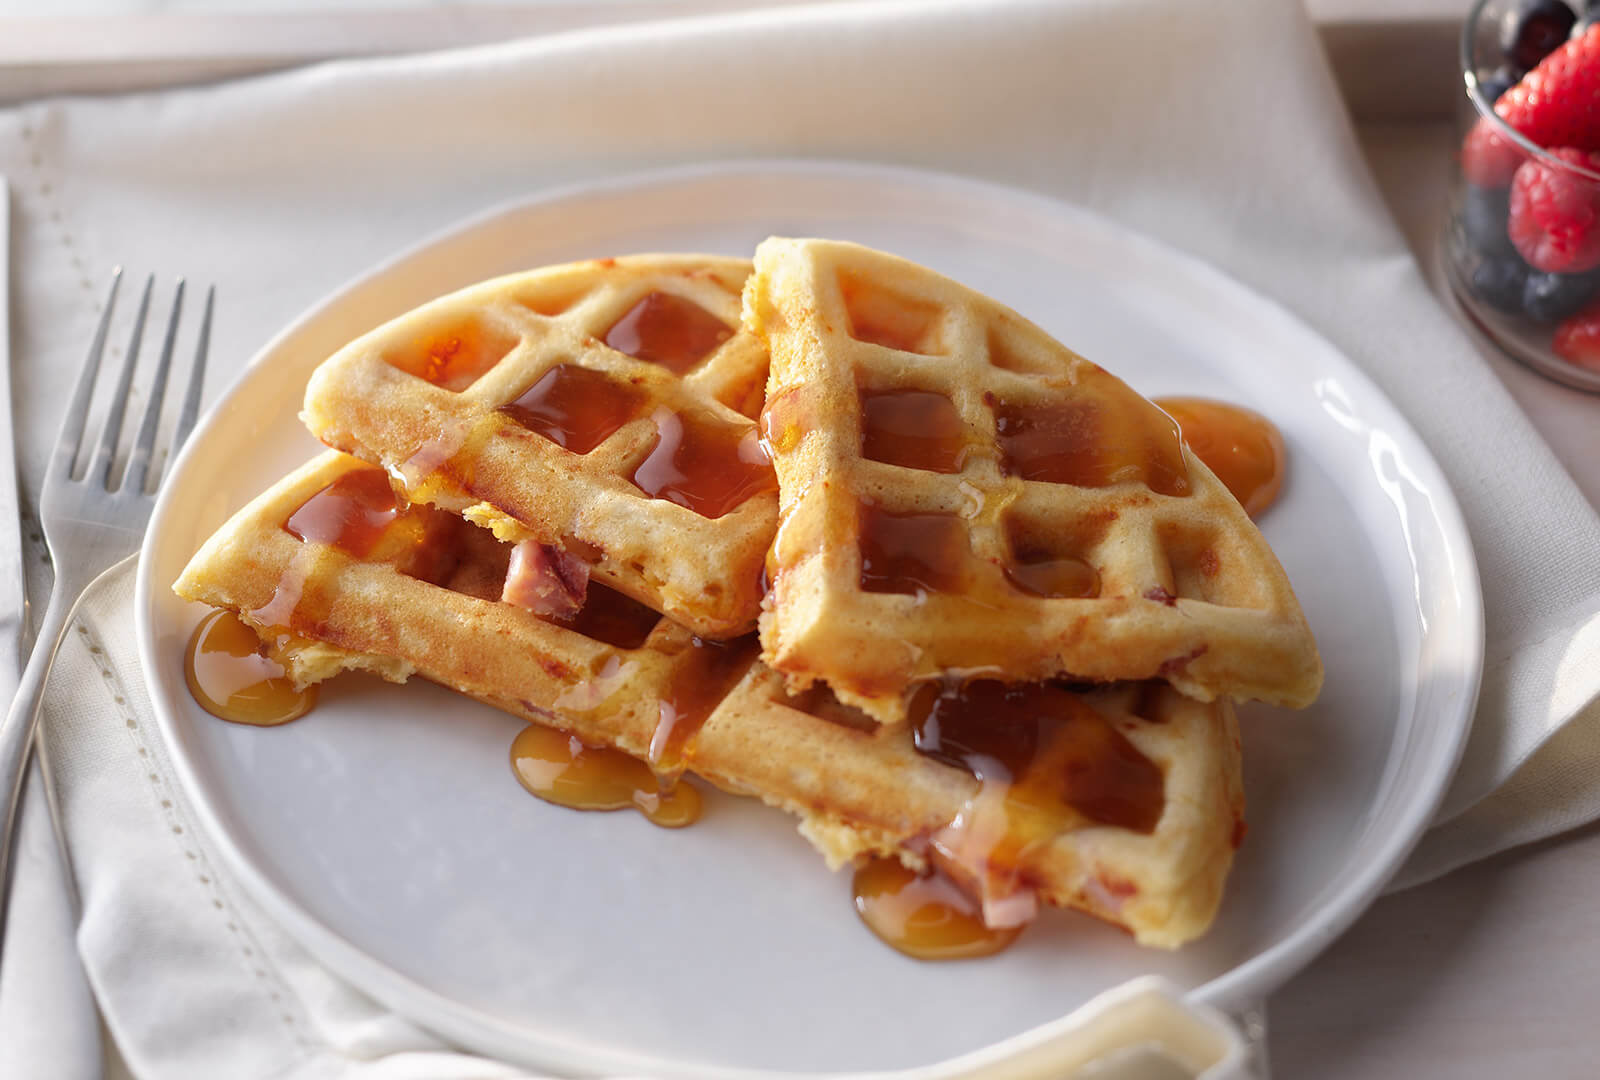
[(13, 598), (48, 1021)]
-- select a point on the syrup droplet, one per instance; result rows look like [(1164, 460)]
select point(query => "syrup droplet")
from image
[(1242, 447), (231, 679), (575, 407), (561, 769), (705, 464), (668, 330), (783, 422), (924, 915), (916, 429), (1115, 437), (911, 553)]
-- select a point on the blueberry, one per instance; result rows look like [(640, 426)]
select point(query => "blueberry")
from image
[(1549, 298), (1499, 282), (1483, 218), (1498, 81), (1532, 30)]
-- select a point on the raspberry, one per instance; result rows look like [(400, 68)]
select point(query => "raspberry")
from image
[(1558, 102), (1577, 340), (1488, 159), (1555, 213)]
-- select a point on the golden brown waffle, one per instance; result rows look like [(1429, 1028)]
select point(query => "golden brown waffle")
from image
[(604, 407), (959, 493), (334, 576)]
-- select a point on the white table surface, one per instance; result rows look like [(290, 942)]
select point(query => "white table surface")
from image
[(1494, 970)]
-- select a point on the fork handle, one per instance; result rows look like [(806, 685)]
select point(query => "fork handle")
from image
[(16, 734)]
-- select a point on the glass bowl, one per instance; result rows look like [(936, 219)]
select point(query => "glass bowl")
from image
[(1522, 308)]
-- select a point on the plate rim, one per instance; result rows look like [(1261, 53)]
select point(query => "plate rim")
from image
[(1249, 980)]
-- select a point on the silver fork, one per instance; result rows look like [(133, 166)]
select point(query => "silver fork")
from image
[(89, 524)]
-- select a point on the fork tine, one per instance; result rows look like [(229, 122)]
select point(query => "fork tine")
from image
[(133, 478), (106, 452), (197, 378), (65, 455)]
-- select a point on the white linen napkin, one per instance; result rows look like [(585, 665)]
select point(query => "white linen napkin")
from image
[(1215, 127)]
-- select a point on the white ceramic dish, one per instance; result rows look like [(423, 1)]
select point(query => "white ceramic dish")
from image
[(387, 833)]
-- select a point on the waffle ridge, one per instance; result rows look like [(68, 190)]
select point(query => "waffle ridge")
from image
[(451, 441), (1188, 590)]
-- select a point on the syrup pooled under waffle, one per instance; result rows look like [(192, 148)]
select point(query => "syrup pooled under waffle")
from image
[(1122, 802), (602, 407), (959, 493)]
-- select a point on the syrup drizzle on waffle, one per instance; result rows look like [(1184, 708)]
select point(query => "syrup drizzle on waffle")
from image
[(704, 463), (697, 688), (1045, 762), (575, 407), (668, 330)]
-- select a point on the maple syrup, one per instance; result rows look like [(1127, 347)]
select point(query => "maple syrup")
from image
[(231, 678), (562, 769), (698, 686), (879, 317), (916, 429), (911, 553), (1045, 761), (1043, 574), (783, 421), (575, 407), (924, 915), (454, 359), (704, 463), (612, 617), (1242, 447), (1041, 739), (668, 330), (350, 514), (1109, 439), (449, 457)]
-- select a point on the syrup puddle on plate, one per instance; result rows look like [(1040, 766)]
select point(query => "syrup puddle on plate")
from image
[(562, 769), (233, 680)]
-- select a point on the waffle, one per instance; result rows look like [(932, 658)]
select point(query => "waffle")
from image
[(334, 576), (603, 407), (959, 493)]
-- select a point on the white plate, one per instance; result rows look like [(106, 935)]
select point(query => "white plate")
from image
[(386, 832)]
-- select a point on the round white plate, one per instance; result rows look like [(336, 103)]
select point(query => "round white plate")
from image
[(387, 833)]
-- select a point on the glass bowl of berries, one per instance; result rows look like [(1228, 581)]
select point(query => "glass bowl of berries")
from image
[(1522, 246)]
